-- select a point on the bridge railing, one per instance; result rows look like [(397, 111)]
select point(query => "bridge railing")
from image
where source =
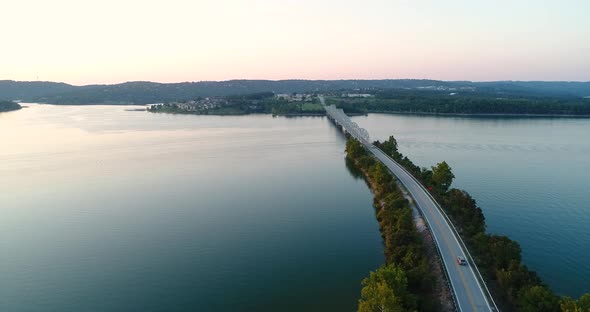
[(350, 126)]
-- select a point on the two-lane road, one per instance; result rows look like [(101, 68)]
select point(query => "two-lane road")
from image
[(468, 292)]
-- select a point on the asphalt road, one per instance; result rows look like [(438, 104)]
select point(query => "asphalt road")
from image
[(470, 295)]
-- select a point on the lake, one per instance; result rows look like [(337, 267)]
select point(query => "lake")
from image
[(529, 175), (104, 209)]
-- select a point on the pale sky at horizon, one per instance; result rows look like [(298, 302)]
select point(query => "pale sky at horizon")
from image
[(111, 41)]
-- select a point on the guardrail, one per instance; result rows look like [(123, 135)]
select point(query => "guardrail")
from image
[(429, 227), (361, 134), (488, 295)]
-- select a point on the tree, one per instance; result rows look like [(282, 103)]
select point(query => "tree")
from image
[(584, 302), (390, 146), (382, 178), (378, 297), (538, 299), (515, 278), (503, 251), (463, 208), (386, 290), (442, 177), (568, 304), (354, 148)]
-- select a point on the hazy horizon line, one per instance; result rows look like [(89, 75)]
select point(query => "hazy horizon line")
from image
[(294, 79)]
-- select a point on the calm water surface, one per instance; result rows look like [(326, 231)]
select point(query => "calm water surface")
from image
[(103, 209), (529, 175)]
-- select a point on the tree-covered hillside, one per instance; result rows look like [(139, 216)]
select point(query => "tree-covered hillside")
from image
[(151, 92), (475, 102), (28, 90)]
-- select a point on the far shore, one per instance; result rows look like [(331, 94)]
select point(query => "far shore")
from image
[(349, 114), (474, 115)]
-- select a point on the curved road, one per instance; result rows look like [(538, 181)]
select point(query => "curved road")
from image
[(469, 294)]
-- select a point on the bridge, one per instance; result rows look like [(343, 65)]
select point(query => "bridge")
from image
[(468, 287)]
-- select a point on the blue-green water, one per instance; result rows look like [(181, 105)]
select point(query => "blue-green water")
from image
[(529, 175), (103, 209)]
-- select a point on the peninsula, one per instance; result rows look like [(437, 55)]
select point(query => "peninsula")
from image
[(6, 106)]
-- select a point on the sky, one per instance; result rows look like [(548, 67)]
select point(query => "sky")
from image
[(111, 41)]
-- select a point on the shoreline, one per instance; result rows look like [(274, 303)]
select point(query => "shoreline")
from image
[(440, 292), (11, 110), (441, 288), (474, 114), (348, 114), (239, 114), (9, 106)]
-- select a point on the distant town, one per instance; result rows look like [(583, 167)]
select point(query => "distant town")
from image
[(289, 104), (295, 104)]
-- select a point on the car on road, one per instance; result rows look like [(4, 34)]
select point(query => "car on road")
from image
[(461, 260)]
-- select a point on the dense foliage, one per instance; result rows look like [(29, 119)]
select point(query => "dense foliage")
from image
[(499, 257), (6, 106), (386, 290), (405, 252), (435, 102), (142, 92), (29, 90)]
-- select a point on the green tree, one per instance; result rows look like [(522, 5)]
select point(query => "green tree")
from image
[(515, 278), (390, 146), (442, 177), (382, 178), (386, 290), (584, 302), (378, 297), (538, 299), (568, 304), (354, 148), (503, 251)]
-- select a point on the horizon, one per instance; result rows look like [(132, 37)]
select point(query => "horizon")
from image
[(288, 79), (111, 42)]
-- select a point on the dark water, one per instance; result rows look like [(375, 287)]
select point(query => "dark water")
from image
[(103, 209), (529, 175)]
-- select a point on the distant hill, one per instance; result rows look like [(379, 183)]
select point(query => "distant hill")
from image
[(539, 88), (28, 90), (151, 92)]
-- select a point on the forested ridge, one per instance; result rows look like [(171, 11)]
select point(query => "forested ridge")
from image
[(145, 92), (485, 103)]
